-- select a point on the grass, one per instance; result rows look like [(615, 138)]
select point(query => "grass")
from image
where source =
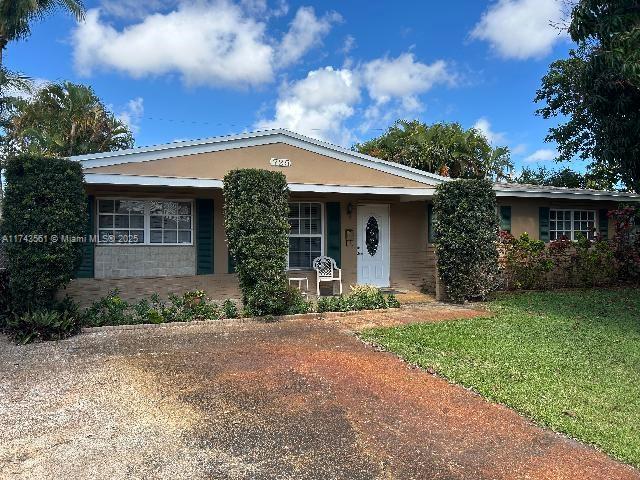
[(568, 360)]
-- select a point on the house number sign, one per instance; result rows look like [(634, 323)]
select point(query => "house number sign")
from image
[(280, 162)]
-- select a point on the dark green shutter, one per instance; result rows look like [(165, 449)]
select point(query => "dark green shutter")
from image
[(334, 241), (231, 263), (544, 224), (86, 267), (505, 218), (603, 223), (430, 233), (204, 236)]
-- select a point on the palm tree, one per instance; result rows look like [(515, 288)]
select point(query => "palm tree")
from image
[(64, 119), (17, 15)]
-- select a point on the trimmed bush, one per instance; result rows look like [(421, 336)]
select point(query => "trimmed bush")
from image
[(44, 210), (466, 229), (257, 227)]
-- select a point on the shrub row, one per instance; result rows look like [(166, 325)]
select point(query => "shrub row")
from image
[(361, 297), (65, 319), (530, 264)]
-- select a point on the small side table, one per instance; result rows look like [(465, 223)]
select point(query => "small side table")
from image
[(300, 280)]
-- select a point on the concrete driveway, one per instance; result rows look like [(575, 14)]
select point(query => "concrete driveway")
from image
[(294, 399)]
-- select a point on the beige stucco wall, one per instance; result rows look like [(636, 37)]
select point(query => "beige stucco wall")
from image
[(525, 216), (306, 167)]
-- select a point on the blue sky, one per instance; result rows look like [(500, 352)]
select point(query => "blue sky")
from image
[(340, 71)]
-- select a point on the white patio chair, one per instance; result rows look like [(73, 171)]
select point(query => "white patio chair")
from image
[(326, 270)]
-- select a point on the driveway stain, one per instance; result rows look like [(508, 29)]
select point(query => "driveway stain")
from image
[(296, 399)]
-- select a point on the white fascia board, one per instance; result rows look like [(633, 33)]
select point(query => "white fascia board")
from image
[(140, 180), (604, 196), (176, 149)]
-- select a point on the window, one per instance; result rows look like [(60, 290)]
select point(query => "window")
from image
[(570, 223), (305, 237), (120, 221), (169, 222), (148, 222)]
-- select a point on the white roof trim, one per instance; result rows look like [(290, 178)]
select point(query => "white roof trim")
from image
[(140, 180), (569, 194), (265, 137)]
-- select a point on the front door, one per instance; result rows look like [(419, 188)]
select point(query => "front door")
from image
[(373, 245)]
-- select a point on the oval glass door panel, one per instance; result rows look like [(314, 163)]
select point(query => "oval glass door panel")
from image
[(372, 236)]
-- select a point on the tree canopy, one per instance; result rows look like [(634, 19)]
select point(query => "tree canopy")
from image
[(597, 90), (564, 177), (65, 119), (16, 16), (443, 148)]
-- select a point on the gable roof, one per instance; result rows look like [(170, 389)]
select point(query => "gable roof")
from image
[(252, 139), (274, 136)]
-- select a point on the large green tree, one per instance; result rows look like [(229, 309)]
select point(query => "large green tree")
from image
[(444, 148), (564, 177), (66, 119), (596, 91)]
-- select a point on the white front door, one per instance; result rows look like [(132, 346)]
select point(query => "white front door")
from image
[(373, 245)]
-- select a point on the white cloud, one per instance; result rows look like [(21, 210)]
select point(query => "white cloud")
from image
[(403, 77), (484, 126), (541, 155), (519, 149), (208, 44), (305, 32), (348, 45), (132, 114), (317, 105), (521, 29)]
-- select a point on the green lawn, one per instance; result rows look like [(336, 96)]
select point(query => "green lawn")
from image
[(568, 360)]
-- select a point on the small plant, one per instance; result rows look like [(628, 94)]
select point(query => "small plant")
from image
[(392, 301), (230, 309), (111, 310), (361, 297), (43, 325)]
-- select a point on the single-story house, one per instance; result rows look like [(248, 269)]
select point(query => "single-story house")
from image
[(157, 213)]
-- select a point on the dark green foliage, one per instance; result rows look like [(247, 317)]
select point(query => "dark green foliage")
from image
[(597, 89), (525, 261), (443, 148), (44, 197), (195, 305), (256, 222), (64, 119), (61, 321), (467, 233), (230, 309), (361, 297), (5, 298), (564, 177)]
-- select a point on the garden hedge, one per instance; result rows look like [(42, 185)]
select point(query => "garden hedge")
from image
[(466, 229), (256, 221), (44, 213)]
